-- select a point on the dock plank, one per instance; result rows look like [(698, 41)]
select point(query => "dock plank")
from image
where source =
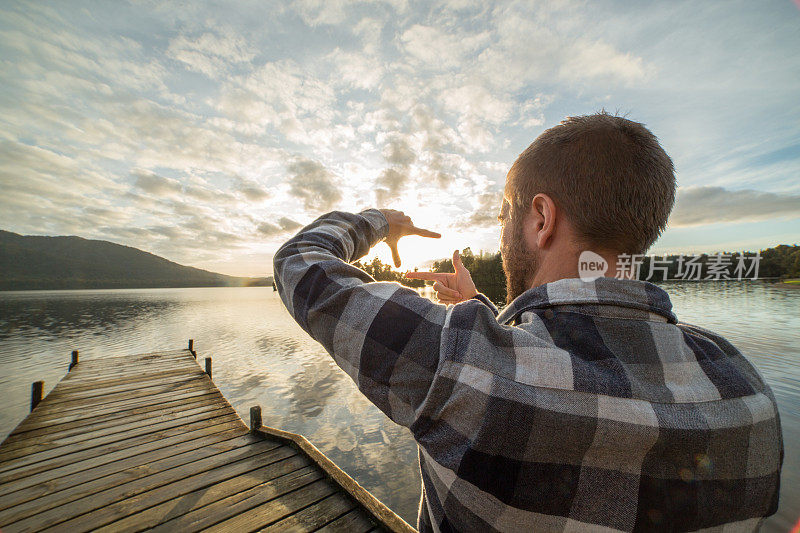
[(123, 371), (51, 481), (139, 469), (147, 441), (117, 360), (104, 436), (113, 407), (94, 496), (45, 461), (124, 439), (90, 394), (118, 399), (42, 420), (314, 516), (276, 509), (113, 364), (120, 369), (352, 522), (108, 379), (66, 423), (73, 429), (209, 505)]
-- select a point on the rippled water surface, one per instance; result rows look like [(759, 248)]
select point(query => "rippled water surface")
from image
[(262, 357)]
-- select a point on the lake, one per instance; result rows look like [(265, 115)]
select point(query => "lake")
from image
[(261, 356)]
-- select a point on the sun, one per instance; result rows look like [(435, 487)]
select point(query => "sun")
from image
[(415, 252)]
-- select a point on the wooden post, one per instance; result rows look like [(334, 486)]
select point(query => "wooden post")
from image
[(191, 348), (74, 359), (255, 417), (36, 393), (208, 366)]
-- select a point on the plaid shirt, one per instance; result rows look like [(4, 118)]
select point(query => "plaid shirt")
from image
[(582, 406)]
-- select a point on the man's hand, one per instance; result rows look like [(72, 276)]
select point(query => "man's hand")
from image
[(399, 226), (450, 288)]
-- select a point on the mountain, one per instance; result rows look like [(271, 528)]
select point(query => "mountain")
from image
[(32, 262)]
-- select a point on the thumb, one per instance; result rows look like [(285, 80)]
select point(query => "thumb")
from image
[(457, 264)]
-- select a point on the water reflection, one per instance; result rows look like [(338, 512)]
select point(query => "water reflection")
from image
[(262, 357), (35, 313), (249, 383), (312, 387)]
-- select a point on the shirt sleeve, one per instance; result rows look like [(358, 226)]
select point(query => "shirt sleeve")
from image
[(386, 337), (486, 301)]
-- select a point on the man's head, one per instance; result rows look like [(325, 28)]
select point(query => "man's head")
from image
[(596, 182)]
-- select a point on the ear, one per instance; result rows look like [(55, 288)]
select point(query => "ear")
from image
[(542, 216)]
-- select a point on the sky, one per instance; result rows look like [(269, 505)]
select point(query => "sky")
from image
[(209, 133)]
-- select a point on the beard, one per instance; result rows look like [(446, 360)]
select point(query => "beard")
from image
[(520, 264)]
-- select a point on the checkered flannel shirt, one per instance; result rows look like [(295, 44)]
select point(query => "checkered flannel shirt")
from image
[(582, 406)]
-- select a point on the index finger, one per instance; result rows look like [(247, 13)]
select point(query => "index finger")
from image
[(413, 230), (429, 276)]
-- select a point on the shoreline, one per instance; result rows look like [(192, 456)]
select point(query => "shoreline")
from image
[(88, 289)]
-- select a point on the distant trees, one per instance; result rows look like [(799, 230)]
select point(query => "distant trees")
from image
[(487, 268), (380, 271), (782, 261)]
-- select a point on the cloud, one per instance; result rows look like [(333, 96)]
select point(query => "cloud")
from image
[(437, 133), (313, 183), (596, 59), (191, 188), (436, 136), (531, 113), (185, 235), (317, 12), (555, 43), (288, 224), (251, 189), (283, 225), (45, 191), (369, 31), (709, 205), (397, 151), (485, 212), (152, 183), (355, 69), (210, 53), (477, 101), (98, 59), (285, 99), (476, 137), (437, 48), (391, 181), (389, 184)]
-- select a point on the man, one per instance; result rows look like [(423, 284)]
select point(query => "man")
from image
[(585, 405)]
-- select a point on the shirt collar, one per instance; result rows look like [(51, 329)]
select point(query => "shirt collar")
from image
[(625, 293)]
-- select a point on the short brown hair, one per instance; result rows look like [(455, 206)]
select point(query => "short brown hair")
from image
[(609, 175)]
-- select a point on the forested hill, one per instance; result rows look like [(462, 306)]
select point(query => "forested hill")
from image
[(31, 262)]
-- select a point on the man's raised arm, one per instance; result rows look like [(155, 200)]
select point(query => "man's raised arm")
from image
[(385, 336)]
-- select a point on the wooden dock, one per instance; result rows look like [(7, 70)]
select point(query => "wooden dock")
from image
[(148, 442)]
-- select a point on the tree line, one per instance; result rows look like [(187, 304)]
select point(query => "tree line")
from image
[(486, 270), (779, 262)]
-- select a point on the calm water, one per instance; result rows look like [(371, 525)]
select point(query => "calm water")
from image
[(262, 357)]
